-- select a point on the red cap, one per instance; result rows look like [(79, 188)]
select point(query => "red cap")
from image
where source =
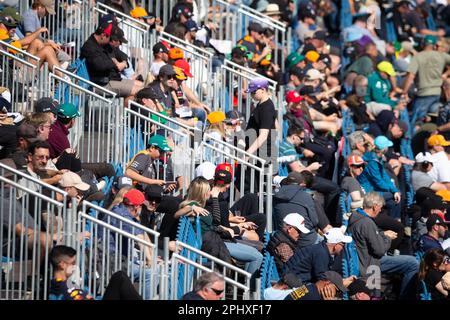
[(355, 160), (224, 167), (183, 64), (293, 96), (134, 197), (108, 30)]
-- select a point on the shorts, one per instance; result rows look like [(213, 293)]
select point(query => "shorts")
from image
[(122, 88)]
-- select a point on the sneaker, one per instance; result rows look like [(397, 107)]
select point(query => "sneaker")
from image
[(101, 185)]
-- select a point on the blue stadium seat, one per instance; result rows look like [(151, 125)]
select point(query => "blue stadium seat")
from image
[(269, 272)]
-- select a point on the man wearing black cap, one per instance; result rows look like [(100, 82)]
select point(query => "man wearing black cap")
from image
[(252, 39), (437, 229), (115, 41), (101, 66), (160, 58), (48, 106), (164, 85)]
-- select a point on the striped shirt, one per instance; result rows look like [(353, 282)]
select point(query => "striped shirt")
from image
[(287, 152)]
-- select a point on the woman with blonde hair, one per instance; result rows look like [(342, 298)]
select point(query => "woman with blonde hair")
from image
[(119, 197), (198, 193)]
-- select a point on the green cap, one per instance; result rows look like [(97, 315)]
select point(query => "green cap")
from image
[(159, 119), (294, 58), (68, 111), (429, 39), (397, 46), (11, 12), (160, 142)]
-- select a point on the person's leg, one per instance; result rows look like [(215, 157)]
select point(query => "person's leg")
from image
[(331, 192), (143, 278), (35, 46), (260, 220), (120, 287), (421, 107), (199, 113), (407, 266), (252, 257), (99, 169), (47, 54), (394, 208)]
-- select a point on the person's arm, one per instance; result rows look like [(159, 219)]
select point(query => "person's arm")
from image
[(146, 249), (98, 61), (439, 287), (408, 82), (130, 173), (377, 242), (436, 186), (377, 180), (25, 41), (190, 95), (262, 137), (193, 210), (444, 127)]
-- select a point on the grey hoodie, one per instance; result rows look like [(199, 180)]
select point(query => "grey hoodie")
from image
[(294, 199), (370, 242)]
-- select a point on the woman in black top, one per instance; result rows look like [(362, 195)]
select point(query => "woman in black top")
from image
[(431, 272)]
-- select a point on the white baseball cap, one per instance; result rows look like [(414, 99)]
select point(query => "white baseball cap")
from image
[(314, 74), (206, 170), (71, 179), (336, 235), (424, 157), (296, 220)]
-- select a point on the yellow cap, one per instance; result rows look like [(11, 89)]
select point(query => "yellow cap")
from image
[(386, 67), (3, 34), (312, 56), (16, 44), (179, 73), (138, 12), (445, 194), (216, 116), (438, 140)]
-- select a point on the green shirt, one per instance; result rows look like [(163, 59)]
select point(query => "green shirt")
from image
[(378, 90), (429, 66), (362, 66)]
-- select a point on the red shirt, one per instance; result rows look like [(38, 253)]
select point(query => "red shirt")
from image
[(58, 139)]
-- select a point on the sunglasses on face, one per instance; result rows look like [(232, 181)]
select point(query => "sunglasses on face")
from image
[(172, 77), (217, 292), (360, 166), (152, 200)]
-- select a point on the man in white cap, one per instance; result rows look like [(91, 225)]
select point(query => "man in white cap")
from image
[(420, 176), (284, 242), (310, 263)]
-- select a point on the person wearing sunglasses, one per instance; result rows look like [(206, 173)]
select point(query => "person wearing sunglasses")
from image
[(209, 286), (356, 166)]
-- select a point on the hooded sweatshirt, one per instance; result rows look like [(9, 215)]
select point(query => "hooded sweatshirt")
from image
[(381, 124), (294, 199), (374, 177), (371, 244)]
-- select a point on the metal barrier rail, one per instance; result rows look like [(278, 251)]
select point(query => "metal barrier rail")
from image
[(216, 151), (20, 73), (162, 9), (111, 248), (179, 262), (141, 122), (35, 216), (140, 38), (201, 64), (97, 133)]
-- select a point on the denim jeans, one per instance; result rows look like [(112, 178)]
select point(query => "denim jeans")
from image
[(200, 114), (252, 257), (394, 208), (408, 266), (147, 276), (424, 105)]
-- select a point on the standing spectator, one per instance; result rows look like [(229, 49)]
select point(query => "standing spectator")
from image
[(372, 244), (443, 121), (263, 118), (209, 286), (428, 66), (441, 162)]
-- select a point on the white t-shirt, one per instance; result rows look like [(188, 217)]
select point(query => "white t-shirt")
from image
[(154, 68), (441, 167)]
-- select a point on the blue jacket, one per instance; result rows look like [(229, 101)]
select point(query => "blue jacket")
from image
[(310, 263), (374, 176)]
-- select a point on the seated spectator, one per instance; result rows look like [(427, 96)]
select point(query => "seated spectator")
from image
[(437, 228), (42, 123), (310, 263), (160, 58), (358, 290), (360, 143), (280, 289), (58, 136), (292, 197), (284, 241), (39, 9), (329, 288), (350, 183), (420, 177), (63, 262), (372, 245), (375, 177), (432, 270), (72, 184), (119, 183), (100, 65), (141, 168), (379, 85), (48, 106), (209, 286), (441, 162)]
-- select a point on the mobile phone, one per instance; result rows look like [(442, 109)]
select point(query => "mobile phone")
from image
[(167, 183)]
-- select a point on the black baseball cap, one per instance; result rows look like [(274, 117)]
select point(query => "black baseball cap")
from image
[(433, 220), (357, 286), (160, 47), (121, 181), (183, 9), (222, 177), (153, 191), (167, 70), (296, 71), (320, 35), (118, 35), (47, 104), (254, 26), (9, 22), (28, 132)]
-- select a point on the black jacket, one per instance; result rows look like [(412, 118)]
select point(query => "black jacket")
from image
[(98, 62)]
